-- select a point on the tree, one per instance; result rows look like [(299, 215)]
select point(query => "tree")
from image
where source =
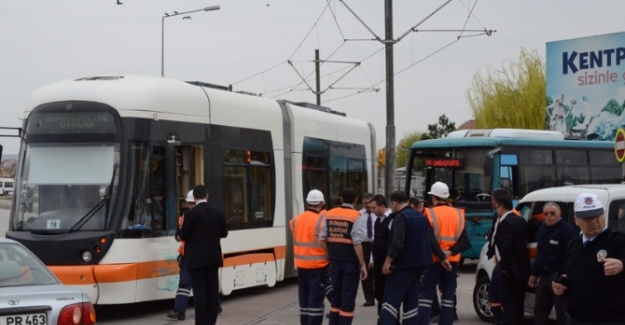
[(513, 97), (403, 148), (440, 130)]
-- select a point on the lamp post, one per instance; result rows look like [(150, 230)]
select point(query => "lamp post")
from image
[(210, 8)]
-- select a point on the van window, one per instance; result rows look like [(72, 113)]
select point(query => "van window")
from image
[(533, 213), (616, 215)]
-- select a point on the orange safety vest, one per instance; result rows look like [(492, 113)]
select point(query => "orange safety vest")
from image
[(307, 248), (181, 247), (448, 224)]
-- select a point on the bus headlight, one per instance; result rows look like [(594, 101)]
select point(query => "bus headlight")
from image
[(86, 256)]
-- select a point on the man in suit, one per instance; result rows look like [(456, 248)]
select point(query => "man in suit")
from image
[(510, 237), (202, 230)]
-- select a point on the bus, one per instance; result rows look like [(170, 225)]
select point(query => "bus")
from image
[(105, 164), (475, 162)]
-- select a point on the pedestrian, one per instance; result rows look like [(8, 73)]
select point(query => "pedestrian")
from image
[(512, 256), (411, 245), (310, 259), (202, 230), (380, 245), (592, 276), (370, 218), (552, 238), (448, 225), (343, 236), (184, 282)]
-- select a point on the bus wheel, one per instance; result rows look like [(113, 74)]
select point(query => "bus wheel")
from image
[(480, 299)]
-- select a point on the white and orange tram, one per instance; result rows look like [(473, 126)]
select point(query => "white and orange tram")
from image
[(105, 164)]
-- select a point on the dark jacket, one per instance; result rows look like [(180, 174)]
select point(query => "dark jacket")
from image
[(511, 240), (379, 247), (593, 296), (412, 242), (202, 230), (552, 241)]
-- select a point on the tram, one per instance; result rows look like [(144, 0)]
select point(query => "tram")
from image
[(105, 164)]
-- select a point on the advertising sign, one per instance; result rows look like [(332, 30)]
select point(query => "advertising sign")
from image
[(586, 86)]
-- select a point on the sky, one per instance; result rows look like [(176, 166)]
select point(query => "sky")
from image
[(249, 43)]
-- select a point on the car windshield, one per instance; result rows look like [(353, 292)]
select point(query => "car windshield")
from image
[(19, 267), (66, 188)]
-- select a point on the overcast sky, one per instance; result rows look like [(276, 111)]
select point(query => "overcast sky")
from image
[(247, 43)]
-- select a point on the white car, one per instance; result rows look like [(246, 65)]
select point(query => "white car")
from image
[(612, 197), (31, 295)]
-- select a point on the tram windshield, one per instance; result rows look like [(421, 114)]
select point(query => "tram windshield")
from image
[(66, 188)]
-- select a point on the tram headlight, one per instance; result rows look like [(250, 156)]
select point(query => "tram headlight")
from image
[(86, 256)]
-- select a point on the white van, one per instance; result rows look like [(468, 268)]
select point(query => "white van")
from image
[(6, 186), (530, 207)]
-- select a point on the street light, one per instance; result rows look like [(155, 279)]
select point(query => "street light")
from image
[(210, 8)]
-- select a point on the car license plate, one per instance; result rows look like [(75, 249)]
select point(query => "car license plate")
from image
[(31, 319)]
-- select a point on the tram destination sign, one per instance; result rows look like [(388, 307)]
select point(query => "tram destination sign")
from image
[(442, 162), (71, 122)]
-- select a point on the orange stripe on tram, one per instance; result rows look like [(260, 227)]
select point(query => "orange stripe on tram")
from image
[(111, 273)]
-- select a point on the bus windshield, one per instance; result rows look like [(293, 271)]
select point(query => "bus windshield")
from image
[(65, 188)]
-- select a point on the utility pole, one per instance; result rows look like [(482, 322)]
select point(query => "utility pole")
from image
[(389, 174), (318, 76)]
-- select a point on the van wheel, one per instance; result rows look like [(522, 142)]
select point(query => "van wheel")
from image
[(480, 299)]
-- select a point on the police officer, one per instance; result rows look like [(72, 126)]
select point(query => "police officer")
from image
[(311, 259), (592, 275), (411, 246), (552, 238), (343, 236), (448, 224)]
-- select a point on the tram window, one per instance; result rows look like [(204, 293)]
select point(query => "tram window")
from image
[(148, 179), (189, 172), (248, 189)]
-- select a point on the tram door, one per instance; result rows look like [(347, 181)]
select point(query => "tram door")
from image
[(187, 172)]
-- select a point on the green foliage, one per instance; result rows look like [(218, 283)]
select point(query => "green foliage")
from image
[(440, 130), (613, 107), (403, 148), (513, 97)]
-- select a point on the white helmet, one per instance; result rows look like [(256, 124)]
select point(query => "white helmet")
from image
[(190, 197), (439, 189), (315, 197)]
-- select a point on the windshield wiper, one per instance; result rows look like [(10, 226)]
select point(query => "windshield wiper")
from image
[(106, 199)]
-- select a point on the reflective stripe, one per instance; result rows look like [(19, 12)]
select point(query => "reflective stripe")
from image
[(339, 240), (304, 244), (434, 223), (410, 313), (311, 258)]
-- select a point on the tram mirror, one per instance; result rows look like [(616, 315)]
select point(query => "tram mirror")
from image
[(0, 152)]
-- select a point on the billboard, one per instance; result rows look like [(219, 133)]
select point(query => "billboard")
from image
[(586, 86)]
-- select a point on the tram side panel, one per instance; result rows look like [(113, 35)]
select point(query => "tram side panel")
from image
[(254, 256)]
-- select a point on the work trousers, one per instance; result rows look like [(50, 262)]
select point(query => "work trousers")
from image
[(379, 285), (345, 277), (512, 293), (311, 290), (545, 300), (402, 286), (184, 290), (368, 283), (493, 295), (447, 280), (206, 294)]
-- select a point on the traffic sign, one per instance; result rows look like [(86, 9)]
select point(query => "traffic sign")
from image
[(619, 145)]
